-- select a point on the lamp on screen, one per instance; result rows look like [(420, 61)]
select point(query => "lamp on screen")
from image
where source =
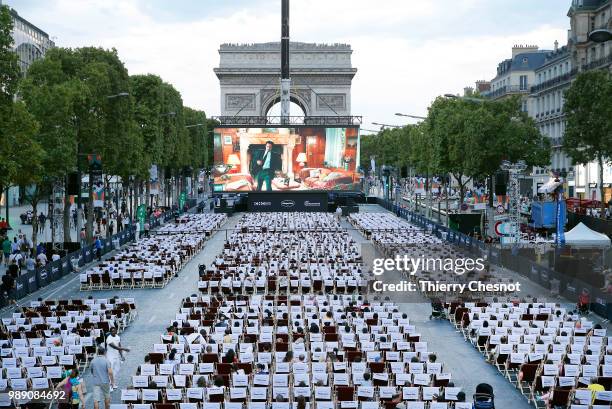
[(301, 159), (233, 161)]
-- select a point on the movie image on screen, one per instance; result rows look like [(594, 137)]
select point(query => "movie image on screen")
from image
[(285, 159)]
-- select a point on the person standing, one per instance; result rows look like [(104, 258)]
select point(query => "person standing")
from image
[(102, 378), (6, 249), (98, 245), (41, 222), (74, 389), (266, 165), (114, 352)]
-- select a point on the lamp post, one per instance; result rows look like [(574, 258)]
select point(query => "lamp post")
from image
[(383, 126), (600, 36), (471, 99), (410, 116), (119, 95)]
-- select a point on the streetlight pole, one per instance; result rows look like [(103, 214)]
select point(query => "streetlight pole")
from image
[(600, 36), (411, 116), (383, 126)]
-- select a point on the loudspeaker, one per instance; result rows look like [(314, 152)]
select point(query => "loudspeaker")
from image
[(72, 185), (501, 180)]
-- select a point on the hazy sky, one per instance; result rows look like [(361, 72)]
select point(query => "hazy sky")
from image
[(406, 51)]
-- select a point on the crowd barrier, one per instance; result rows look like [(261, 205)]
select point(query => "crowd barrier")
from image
[(557, 283), (31, 281)]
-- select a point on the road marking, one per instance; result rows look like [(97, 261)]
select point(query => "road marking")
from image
[(152, 318)]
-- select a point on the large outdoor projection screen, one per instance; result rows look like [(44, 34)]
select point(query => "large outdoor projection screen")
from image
[(286, 159)]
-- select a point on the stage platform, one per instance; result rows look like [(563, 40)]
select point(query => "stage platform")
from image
[(290, 201)]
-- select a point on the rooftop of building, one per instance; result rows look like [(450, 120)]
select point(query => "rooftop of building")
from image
[(555, 56), (523, 61), (16, 16), (293, 46), (586, 5)]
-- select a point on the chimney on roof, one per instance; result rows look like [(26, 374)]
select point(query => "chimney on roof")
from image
[(483, 86), (556, 45), (519, 49)]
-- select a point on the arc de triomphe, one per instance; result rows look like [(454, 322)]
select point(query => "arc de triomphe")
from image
[(321, 76)]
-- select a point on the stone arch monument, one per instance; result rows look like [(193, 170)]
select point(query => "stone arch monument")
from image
[(321, 76)]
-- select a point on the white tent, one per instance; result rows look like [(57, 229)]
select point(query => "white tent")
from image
[(581, 235)]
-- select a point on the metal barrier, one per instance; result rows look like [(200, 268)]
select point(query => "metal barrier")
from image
[(560, 284), (31, 281)]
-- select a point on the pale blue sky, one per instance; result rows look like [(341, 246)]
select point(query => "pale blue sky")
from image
[(406, 51)]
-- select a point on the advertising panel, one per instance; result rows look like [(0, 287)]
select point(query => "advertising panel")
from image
[(291, 202)]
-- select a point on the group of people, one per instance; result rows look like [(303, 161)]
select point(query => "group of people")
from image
[(47, 344), (284, 319)]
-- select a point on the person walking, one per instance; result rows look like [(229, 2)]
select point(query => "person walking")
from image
[(98, 246), (114, 352), (101, 380), (6, 249), (41, 222), (74, 389)]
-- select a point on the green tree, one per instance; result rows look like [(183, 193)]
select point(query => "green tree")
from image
[(499, 131), (30, 171), (51, 103), (588, 134), (9, 78)]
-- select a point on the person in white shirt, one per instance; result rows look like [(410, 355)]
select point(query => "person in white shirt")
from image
[(55, 257), (42, 259), (114, 352)]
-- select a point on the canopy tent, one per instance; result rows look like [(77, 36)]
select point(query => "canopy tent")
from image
[(581, 235)]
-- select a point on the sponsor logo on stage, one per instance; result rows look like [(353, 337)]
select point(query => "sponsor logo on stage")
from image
[(308, 203), (287, 203), (262, 203)]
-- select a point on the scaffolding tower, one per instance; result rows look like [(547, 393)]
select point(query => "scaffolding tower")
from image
[(57, 212), (515, 170)]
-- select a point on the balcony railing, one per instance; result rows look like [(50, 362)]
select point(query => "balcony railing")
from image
[(561, 79), (506, 89), (598, 63)]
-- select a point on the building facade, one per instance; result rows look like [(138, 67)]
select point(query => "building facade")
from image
[(546, 108), (585, 17), (516, 74), (542, 77), (30, 42)]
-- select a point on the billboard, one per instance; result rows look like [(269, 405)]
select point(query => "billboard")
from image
[(286, 159)]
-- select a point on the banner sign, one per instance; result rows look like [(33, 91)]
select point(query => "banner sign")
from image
[(287, 202), (141, 214), (560, 237), (66, 265), (55, 270), (42, 276)]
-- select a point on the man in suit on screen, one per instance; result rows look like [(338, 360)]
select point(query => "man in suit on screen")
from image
[(267, 163)]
